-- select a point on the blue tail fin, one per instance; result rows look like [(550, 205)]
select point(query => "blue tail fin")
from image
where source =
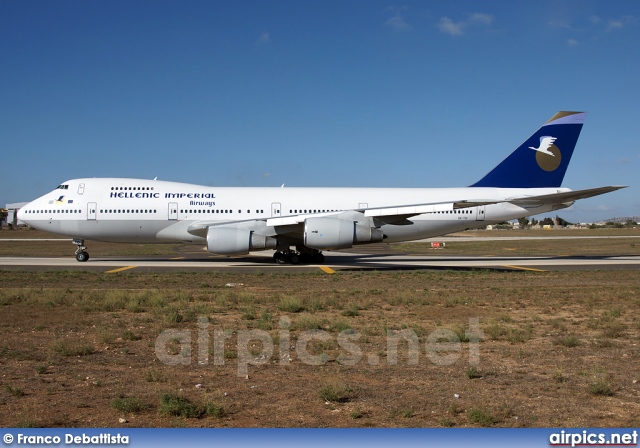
[(542, 160)]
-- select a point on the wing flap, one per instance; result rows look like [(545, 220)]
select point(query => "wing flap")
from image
[(419, 209), (410, 210), (295, 219)]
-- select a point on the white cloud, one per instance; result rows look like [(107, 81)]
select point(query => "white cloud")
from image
[(618, 24), (264, 39), (615, 24), (397, 23), (484, 19), (596, 21), (624, 160), (448, 26), (595, 25), (554, 23)]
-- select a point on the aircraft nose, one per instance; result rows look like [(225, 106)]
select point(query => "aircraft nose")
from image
[(22, 214)]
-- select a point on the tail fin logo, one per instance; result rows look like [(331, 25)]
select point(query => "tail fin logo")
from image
[(548, 155)]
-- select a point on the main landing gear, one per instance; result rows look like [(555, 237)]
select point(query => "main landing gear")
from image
[(298, 256), (81, 252)]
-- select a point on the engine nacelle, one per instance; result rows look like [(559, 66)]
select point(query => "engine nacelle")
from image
[(333, 233), (231, 241), (366, 234)]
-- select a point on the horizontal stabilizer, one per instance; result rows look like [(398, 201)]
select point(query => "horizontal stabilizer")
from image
[(560, 198)]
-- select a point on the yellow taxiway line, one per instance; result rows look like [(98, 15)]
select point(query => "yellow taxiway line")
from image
[(521, 268), (113, 271), (327, 269)]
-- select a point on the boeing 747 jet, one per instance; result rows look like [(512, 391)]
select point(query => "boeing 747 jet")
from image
[(300, 223)]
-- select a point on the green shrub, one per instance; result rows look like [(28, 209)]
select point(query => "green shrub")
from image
[(336, 392), (128, 405), (179, 406), (291, 305), (567, 341), (481, 417)]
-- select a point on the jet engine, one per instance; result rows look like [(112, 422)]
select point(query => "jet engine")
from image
[(327, 233), (231, 241)]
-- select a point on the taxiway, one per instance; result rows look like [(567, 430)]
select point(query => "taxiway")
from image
[(335, 262)]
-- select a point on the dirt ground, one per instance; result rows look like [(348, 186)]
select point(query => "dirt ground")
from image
[(550, 349)]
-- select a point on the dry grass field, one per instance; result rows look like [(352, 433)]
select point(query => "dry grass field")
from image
[(352, 349), (555, 349)]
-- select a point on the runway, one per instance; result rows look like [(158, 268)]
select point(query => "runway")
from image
[(334, 262)]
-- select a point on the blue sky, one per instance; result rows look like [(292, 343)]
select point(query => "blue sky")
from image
[(314, 93)]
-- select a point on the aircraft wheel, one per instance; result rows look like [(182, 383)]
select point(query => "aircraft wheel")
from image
[(82, 256), (279, 258), (318, 258), (295, 259)]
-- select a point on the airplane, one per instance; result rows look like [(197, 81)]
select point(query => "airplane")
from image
[(301, 223)]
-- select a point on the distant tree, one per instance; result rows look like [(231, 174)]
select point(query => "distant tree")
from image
[(547, 221), (524, 222), (3, 215), (562, 222), (534, 222), (630, 223)]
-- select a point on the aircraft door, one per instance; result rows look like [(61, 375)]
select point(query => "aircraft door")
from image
[(275, 209), (92, 211), (173, 211), (480, 213)]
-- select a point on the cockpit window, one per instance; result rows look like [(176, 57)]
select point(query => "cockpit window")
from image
[(62, 187)]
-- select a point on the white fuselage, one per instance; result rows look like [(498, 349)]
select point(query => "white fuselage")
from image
[(150, 211)]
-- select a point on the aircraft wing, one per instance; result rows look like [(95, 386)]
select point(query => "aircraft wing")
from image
[(561, 198), (399, 214), (385, 214)]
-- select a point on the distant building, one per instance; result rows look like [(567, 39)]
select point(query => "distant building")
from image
[(12, 216)]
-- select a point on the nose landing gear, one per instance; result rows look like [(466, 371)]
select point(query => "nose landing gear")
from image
[(81, 252)]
